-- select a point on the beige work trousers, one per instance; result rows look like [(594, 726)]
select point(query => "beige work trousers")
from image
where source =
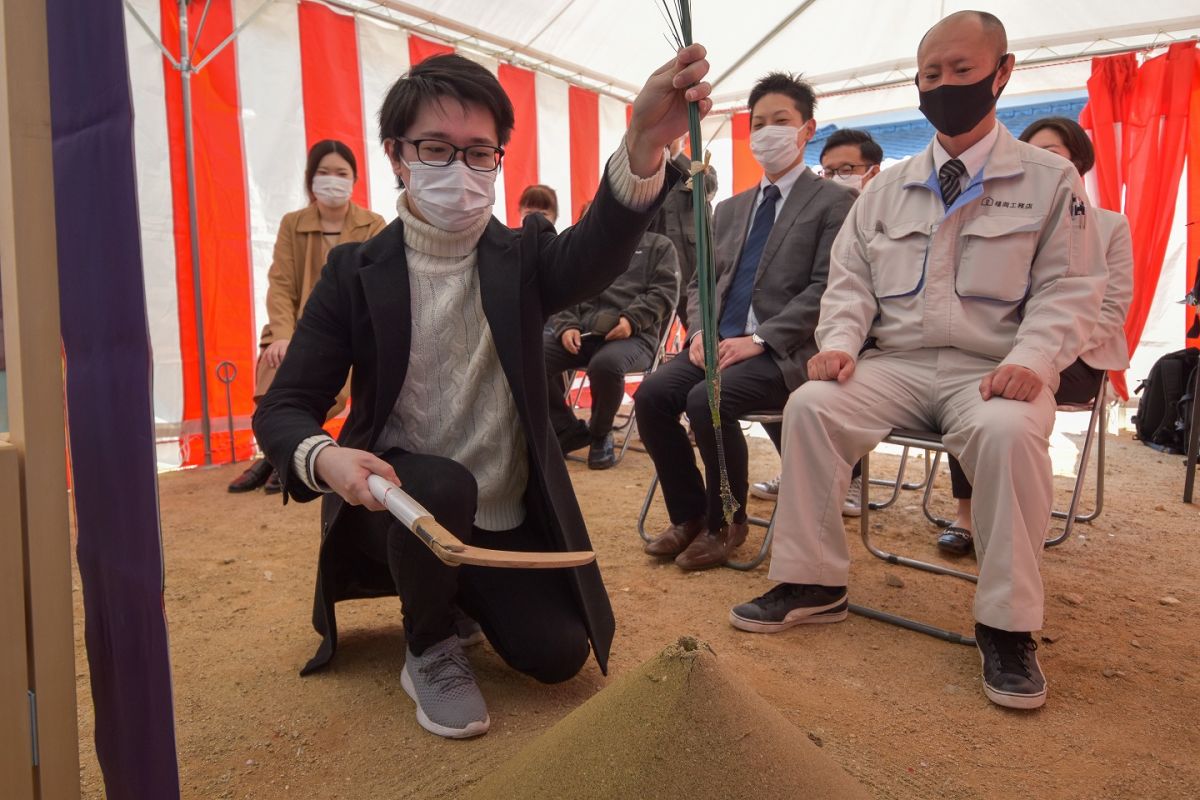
[(1003, 446)]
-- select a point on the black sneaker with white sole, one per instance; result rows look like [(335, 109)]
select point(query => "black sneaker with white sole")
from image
[(1012, 676), (788, 605)]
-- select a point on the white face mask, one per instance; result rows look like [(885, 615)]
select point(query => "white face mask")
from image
[(775, 148), (332, 190), (451, 198), (850, 181)]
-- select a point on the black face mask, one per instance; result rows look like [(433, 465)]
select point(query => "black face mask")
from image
[(956, 109)]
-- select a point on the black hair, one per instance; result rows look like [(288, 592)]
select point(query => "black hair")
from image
[(793, 86), (445, 76), (1083, 156), (319, 151), (870, 150)]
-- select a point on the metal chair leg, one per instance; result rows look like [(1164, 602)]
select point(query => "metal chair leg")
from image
[(746, 566), (941, 522), (1081, 476), (893, 619), (645, 512), (1101, 430), (895, 485)]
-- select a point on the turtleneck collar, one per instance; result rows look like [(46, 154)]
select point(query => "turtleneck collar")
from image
[(425, 238)]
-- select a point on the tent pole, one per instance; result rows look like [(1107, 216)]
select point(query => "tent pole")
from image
[(185, 77)]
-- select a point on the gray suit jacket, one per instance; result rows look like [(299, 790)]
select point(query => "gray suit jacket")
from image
[(792, 272)]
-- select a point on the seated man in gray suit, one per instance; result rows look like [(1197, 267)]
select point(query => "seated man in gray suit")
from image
[(772, 247)]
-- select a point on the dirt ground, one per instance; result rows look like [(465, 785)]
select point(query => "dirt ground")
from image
[(902, 712)]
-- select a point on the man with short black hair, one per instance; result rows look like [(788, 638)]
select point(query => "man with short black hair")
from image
[(441, 316), (851, 158), (771, 245), (975, 271)]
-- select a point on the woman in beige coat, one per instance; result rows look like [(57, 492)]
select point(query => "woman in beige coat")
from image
[(301, 249)]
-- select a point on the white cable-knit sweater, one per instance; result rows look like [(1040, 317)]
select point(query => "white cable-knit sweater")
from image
[(456, 401)]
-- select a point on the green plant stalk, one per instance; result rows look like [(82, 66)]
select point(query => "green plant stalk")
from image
[(706, 280)]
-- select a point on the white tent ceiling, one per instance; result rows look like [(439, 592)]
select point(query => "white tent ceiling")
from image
[(842, 46)]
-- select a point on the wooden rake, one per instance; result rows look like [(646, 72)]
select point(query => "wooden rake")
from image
[(447, 547)]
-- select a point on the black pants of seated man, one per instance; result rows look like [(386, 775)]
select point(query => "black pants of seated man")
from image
[(530, 616), (755, 384), (1077, 384), (607, 364)]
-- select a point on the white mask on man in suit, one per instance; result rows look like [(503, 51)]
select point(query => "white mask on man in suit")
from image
[(451, 198), (776, 147), (854, 182)]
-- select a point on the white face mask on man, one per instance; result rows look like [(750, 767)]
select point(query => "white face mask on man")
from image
[(775, 148), (850, 181), (332, 190), (451, 198)]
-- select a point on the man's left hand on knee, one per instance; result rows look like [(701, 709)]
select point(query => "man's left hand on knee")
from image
[(1011, 381)]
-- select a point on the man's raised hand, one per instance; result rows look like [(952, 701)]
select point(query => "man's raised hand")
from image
[(660, 113)]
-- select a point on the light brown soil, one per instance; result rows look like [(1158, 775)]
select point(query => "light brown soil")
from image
[(678, 726), (901, 712)]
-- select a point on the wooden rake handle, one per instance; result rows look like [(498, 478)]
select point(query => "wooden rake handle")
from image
[(450, 549)]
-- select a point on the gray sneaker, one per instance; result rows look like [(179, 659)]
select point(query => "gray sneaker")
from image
[(766, 490), (442, 685), (852, 505)]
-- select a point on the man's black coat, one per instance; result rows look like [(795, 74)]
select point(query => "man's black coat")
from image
[(359, 316)]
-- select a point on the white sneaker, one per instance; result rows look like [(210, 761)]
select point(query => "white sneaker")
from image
[(852, 505), (766, 490)]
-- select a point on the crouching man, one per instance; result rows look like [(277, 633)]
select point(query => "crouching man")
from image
[(441, 318), (976, 271)]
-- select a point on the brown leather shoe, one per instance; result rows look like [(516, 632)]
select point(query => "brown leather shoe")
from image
[(711, 550), (674, 538)]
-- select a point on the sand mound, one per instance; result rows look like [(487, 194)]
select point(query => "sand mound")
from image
[(678, 726)]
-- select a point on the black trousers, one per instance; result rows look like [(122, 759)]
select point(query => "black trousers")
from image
[(1077, 384), (607, 363), (677, 387), (530, 616)]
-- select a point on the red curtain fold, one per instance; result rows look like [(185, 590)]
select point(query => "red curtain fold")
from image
[(222, 209), (1138, 119), (331, 83), (585, 146), (420, 49), (521, 153), (1193, 193), (746, 171)]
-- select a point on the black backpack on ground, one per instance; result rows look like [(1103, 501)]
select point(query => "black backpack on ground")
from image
[(1164, 414)]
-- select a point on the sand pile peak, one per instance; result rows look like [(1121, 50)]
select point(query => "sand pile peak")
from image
[(678, 726)]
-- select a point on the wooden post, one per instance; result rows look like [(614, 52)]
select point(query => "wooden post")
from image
[(28, 270)]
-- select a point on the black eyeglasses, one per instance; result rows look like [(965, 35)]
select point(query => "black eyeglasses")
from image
[(844, 171), (436, 153)]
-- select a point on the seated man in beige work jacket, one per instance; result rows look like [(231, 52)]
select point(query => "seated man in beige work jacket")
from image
[(976, 272)]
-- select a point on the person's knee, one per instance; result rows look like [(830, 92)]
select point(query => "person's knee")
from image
[(1008, 424), (443, 486), (653, 398), (697, 406), (553, 660)]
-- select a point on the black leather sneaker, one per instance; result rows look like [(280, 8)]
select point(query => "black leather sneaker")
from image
[(601, 454), (788, 605), (1012, 676)]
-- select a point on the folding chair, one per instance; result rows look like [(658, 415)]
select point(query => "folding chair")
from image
[(625, 423), (932, 442), (761, 417)]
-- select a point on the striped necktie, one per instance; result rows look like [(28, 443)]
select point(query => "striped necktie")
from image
[(950, 178)]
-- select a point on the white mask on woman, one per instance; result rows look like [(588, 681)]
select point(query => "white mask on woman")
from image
[(332, 190), (774, 147), (452, 198)]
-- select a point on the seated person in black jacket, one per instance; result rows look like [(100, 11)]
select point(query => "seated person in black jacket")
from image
[(613, 333)]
